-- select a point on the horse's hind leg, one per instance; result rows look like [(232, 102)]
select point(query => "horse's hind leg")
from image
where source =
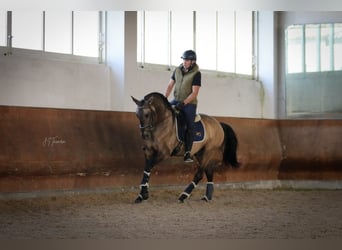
[(209, 172), (198, 176)]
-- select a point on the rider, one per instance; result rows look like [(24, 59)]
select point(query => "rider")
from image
[(186, 79)]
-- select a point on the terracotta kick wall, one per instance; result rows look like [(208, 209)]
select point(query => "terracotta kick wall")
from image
[(43, 149)]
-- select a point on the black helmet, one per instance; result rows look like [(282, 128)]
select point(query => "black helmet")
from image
[(189, 55)]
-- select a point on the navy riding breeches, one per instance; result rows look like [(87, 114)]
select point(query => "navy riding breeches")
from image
[(190, 114)]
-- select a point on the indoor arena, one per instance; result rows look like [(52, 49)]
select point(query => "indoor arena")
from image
[(75, 154)]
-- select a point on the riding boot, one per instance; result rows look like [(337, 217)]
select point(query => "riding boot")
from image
[(188, 146)]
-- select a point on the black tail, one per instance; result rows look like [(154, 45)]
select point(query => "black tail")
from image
[(230, 146)]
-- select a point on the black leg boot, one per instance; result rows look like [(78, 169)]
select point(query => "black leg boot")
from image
[(187, 192), (209, 193)]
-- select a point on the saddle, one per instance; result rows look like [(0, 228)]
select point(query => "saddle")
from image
[(199, 130)]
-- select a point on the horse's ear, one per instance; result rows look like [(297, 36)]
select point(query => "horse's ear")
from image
[(150, 100), (137, 102)]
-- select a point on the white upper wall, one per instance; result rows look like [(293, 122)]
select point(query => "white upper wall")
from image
[(37, 82), (40, 82)]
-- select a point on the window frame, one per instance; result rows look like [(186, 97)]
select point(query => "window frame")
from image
[(142, 64), (8, 49), (304, 43)]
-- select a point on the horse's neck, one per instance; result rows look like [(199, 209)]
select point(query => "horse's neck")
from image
[(166, 125), (166, 131)]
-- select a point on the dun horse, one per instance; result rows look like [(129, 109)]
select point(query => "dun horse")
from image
[(158, 125)]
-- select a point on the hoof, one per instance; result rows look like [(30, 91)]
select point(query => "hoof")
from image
[(182, 197), (180, 201), (139, 199), (205, 198)]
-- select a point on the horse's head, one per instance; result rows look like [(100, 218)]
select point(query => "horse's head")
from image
[(152, 109), (144, 112)]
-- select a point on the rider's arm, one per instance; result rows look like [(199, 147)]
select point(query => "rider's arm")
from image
[(169, 87), (193, 95)]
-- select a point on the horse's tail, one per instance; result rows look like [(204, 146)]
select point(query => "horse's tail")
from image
[(230, 146)]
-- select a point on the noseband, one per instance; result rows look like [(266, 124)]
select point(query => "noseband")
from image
[(145, 127)]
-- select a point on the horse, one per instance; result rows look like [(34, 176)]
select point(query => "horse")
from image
[(158, 125)]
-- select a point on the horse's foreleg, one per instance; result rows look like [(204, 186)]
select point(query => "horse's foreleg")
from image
[(143, 195), (198, 176), (209, 172)]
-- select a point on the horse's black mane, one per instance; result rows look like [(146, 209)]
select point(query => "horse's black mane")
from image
[(162, 97)]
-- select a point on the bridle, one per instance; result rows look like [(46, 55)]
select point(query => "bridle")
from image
[(151, 124), (144, 127)]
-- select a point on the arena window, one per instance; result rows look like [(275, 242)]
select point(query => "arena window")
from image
[(314, 47), (77, 33), (222, 40)]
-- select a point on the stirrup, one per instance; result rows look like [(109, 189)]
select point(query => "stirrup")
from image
[(187, 157)]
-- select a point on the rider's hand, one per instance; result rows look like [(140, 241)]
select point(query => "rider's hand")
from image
[(179, 106)]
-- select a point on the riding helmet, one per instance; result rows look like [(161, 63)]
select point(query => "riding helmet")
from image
[(189, 55)]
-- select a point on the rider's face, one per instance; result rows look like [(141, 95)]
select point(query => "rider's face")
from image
[(187, 63)]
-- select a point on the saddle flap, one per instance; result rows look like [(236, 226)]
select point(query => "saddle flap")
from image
[(199, 129)]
